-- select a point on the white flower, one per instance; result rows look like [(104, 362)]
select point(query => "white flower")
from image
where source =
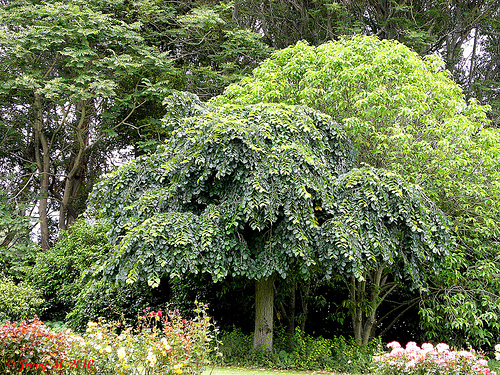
[(121, 353), (108, 349), (151, 358), (165, 344)]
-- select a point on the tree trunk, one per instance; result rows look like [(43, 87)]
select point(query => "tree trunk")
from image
[(43, 164), (75, 174), (305, 291), (365, 299), (264, 304)]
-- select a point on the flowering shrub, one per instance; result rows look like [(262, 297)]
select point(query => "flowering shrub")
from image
[(32, 342), (429, 360), (161, 343), (497, 352)]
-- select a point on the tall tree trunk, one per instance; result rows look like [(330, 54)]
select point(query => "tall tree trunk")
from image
[(264, 304), (43, 163), (75, 174)]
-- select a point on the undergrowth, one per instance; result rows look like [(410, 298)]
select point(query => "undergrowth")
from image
[(299, 352)]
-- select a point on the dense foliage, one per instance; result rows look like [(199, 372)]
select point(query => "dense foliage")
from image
[(299, 352), (405, 114), (18, 300), (83, 87), (259, 184)]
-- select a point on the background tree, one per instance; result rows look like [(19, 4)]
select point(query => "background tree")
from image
[(460, 32), (73, 76)]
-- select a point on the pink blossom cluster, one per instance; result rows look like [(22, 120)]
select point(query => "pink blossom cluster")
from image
[(429, 359)]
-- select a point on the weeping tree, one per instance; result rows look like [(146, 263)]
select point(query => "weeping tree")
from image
[(381, 233), (243, 190)]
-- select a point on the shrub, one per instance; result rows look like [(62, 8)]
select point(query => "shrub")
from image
[(105, 299), (308, 353), (18, 301), (57, 271), (31, 342), (429, 360)]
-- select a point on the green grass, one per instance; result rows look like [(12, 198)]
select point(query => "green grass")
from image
[(257, 371)]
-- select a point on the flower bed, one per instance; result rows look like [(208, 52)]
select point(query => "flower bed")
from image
[(429, 359), (160, 343)]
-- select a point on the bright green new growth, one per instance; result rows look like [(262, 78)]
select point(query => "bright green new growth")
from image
[(402, 112), (405, 114)]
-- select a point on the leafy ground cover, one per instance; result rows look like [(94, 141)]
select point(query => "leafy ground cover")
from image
[(257, 371)]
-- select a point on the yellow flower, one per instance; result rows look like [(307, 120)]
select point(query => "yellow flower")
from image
[(177, 369), (90, 326), (165, 344)]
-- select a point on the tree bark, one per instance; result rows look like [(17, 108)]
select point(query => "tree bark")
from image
[(43, 164), (75, 173), (264, 305)]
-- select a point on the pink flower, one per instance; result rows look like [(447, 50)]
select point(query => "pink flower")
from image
[(159, 313), (441, 347), (427, 346), (394, 344), (465, 354), (412, 345), (482, 362), (398, 351)]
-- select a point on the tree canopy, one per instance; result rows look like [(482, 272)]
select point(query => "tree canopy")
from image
[(71, 73), (253, 191), (404, 114)]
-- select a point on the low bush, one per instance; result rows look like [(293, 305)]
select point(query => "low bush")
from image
[(18, 300), (307, 353), (427, 359), (161, 343), (31, 342)]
